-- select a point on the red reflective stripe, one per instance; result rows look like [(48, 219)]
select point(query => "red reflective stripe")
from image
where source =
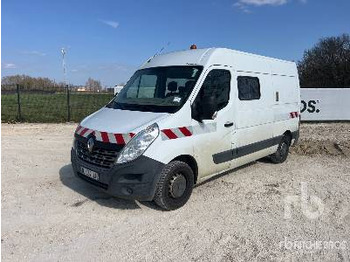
[(119, 138), (84, 131), (185, 131), (294, 114), (78, 129), (131, 135), (170, 134), (104, 136)]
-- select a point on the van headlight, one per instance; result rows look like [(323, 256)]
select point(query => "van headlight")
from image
[(138, 144)]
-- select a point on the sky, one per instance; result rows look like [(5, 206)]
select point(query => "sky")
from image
[(109, 39)]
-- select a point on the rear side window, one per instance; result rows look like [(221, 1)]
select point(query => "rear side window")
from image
[(217, 83), (248, 88)]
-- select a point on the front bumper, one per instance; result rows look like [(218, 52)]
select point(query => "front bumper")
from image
[(134, 180)]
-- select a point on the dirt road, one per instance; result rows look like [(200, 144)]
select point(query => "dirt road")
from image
[(299, 210)]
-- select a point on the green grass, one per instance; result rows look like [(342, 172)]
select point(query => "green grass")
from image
[(50, 108)]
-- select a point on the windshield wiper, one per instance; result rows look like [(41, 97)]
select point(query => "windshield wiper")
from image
[(141, 107)]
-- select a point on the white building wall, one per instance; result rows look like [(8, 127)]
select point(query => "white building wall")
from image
[(325, 104)]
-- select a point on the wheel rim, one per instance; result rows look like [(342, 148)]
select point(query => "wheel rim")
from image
[(177, 185)]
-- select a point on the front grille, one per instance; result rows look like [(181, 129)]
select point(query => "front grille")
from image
[(99, 156)]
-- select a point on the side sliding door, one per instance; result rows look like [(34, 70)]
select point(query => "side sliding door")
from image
[(253, 117)]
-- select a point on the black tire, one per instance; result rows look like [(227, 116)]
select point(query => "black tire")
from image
[(175, 185), (282, 151)]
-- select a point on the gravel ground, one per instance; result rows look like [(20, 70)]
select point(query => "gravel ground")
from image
[(49, 215)]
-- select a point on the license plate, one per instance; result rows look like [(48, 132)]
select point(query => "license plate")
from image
[(89, 173)]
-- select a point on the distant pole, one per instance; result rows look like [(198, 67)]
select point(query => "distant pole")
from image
[(19, 116), (63, 52), (68, 104)]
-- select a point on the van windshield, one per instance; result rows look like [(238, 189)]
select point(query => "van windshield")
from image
[(157, 89)]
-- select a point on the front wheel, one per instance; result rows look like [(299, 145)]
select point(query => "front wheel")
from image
[(175, 185), (282, 151)]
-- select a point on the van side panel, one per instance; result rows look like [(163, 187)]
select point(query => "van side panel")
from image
[(261, 123), (286, 91), (254, 122)]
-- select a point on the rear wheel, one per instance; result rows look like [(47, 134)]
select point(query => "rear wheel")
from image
[(282, 151), (175, 185)]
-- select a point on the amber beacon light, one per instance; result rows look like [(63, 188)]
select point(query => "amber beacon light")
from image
[(193, 47)]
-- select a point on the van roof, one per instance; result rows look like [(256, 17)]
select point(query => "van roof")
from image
[(240, 61)]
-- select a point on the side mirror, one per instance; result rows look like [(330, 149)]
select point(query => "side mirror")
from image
[(196, 113), (204, 108), (209, 107)]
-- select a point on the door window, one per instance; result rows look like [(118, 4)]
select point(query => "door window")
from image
[(217, 84)]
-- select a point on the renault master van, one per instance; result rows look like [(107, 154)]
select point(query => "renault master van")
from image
[(184, 117)]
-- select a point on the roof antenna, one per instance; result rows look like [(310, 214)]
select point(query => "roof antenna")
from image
[(161, 50), (158, 53)]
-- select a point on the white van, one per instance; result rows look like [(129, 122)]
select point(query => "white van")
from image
[(184, 117)]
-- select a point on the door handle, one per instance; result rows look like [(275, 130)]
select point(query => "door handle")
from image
[(228, 124)]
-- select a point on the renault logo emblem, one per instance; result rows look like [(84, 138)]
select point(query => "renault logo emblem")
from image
[(90, 144)]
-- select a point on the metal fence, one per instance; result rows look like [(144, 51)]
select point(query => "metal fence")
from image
[(57, 104), (49, 105)]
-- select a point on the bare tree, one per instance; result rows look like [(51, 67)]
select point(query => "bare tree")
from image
[(327, 64), (93, 85), (28, 83)]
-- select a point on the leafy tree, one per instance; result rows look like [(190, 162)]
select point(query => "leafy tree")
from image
[(327, 64)]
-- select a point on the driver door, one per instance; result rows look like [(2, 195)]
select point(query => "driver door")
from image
[(212, 145)]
